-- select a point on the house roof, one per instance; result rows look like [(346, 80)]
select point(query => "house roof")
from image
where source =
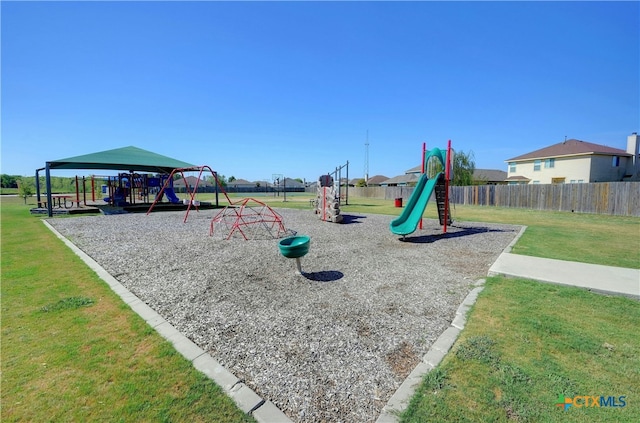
[(191, 180), (377, 179), (240, 182), (291, 183), (294, 183), (407, 178), (489, 175), (517, 178), (126, 158), (374, 180), (570, 147)]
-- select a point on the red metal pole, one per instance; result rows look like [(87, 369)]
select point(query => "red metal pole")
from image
[(424, 150), (161, 193), (446, 186), (192, 194)]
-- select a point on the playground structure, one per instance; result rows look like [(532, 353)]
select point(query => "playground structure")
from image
[(131, 159), (129, 188), (121, 190), (327, 203), (295, 247), (251, 219), (167, 189), (125, 189), (337, 176), (441, 174)]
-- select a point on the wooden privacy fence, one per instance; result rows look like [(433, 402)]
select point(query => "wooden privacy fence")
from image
[(615, 198)]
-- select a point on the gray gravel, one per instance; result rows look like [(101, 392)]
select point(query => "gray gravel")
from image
[(330, 345)]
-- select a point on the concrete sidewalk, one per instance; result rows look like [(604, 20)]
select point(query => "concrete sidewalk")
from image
[(594, 277)]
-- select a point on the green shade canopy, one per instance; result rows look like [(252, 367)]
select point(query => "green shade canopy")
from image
[(126, 158)]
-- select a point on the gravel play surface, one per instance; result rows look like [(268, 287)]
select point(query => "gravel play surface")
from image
[(330, 345)]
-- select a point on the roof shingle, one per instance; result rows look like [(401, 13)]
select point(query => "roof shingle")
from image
[(490, 175), (570, 147)]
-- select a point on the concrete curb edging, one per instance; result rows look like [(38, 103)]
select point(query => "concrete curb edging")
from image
[(509, 247), (246, 399), (400, 399)]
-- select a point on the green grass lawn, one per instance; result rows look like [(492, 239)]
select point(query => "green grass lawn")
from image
[(72, 351), (527, 343), (587, 238)]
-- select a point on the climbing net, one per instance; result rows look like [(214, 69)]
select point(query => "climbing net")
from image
[(250, 219)]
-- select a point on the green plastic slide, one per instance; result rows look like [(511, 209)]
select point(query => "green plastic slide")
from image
[(408, 220)]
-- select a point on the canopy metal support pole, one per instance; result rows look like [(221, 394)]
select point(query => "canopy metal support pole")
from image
[(48, 183)]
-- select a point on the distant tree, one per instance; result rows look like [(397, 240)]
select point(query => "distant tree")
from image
[(299, 180), (463, 167), (221, 179), (8, 181), (62, 184), (231, 179), (257, 184), (25, 189), (361, 183)]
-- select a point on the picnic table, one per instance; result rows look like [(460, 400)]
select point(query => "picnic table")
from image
[(60, 201)]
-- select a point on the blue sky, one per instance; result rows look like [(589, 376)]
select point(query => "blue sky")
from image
[(256, 89)]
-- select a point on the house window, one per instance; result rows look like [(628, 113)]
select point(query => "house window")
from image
[(549, 163), (615, 162), (535, 182), (557, 180), (581, 181), (573, 181), (512, 167), (536, 165)]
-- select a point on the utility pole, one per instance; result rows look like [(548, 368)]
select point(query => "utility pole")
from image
[(366, 160)]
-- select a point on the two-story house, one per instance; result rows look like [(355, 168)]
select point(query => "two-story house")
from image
[(575, 161)]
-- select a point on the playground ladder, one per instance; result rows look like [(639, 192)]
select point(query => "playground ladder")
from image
[(440, 198)]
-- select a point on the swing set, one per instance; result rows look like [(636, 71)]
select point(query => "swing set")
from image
[(167, 189), (250, 218)]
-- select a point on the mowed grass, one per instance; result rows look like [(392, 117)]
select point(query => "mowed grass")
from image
[(586, 238), (72, 351), (527, 343)]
